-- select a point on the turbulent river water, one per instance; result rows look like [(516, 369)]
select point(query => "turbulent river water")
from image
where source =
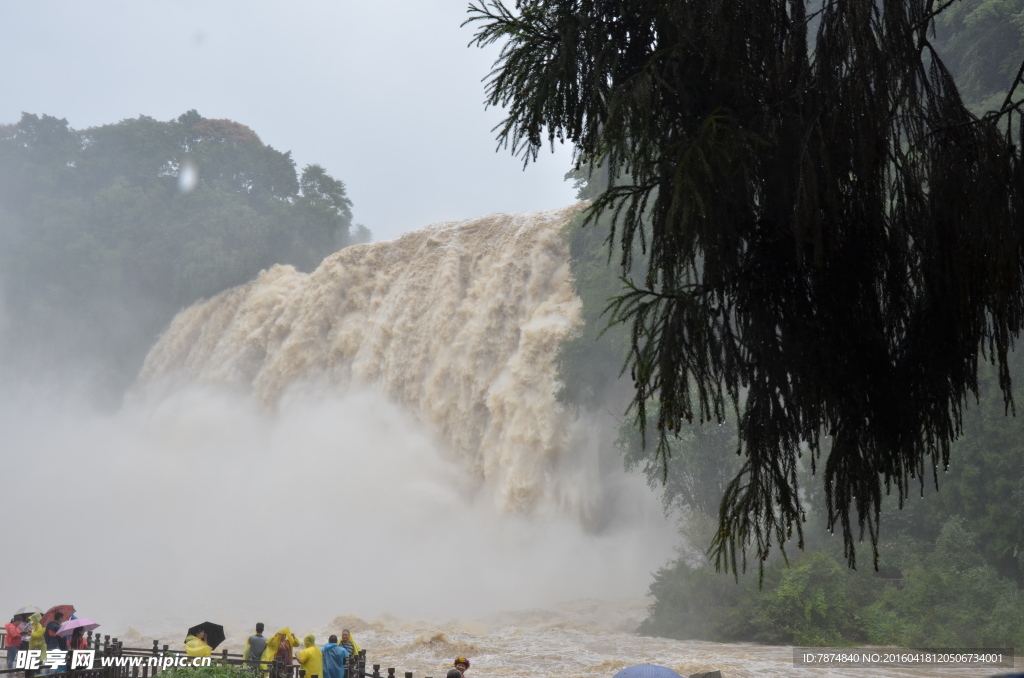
[(588, 638), (381, 439)]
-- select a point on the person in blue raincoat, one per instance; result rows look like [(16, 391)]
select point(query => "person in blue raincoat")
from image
[(334, 658)]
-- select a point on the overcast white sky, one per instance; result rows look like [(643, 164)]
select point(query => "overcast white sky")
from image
[(385, 95)]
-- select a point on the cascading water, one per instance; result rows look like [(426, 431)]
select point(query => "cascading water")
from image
[(459, 323)]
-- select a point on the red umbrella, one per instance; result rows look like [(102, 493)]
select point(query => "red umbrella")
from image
[(68, 610)]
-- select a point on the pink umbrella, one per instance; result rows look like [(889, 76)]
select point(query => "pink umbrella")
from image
[(68, 627)]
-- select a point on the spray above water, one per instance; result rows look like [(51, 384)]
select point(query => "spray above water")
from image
[(199, 504)]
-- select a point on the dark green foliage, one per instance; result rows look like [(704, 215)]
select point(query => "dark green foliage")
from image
[(704, 461), (697, 603), (983, 483), (949, 569), (325, 205), (939, 595), (100, 247), (950, 563), (948, 598), (590, 361), (812, 601), (832, 235), (215, 670), (815, 602)]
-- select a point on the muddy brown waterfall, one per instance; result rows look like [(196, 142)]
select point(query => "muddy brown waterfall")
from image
[(459, 322)]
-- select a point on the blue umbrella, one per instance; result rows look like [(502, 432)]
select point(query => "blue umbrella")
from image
[(647, 671)]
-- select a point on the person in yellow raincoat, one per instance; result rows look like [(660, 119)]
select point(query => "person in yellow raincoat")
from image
[(311, 660), (279, 646), (37, 636), (195, 646)]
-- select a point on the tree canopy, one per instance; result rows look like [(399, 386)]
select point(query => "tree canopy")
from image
[(100, 245), (831, 237)]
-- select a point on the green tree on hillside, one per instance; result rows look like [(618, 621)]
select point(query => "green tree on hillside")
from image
[(982, 42), (99, 247), (704, 461)]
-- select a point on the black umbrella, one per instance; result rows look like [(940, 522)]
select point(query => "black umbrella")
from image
[(214, 633)]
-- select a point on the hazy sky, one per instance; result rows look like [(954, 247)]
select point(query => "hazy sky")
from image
[(386, 96)]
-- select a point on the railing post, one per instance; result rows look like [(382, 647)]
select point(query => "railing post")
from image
[(376, 671), (408, 674), (156, 653), (106, 642), (224, 654), (391, 673)]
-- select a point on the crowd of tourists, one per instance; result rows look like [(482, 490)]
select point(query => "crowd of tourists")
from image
[(272, 656), (58, 635), (278, 653)]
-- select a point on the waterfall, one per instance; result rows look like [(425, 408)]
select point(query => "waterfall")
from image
[(459, 323)]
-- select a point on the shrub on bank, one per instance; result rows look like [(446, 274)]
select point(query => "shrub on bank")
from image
[(945, 598), (215, 670)]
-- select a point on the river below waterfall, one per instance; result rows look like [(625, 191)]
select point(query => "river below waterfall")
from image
[(583, 638)]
